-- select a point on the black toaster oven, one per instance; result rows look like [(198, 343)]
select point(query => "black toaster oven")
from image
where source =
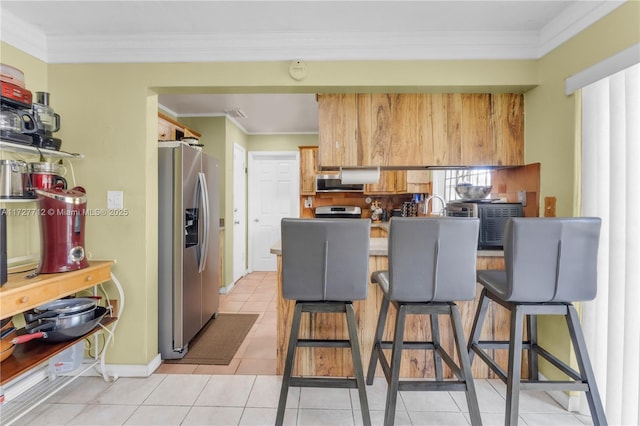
[(493, 217)]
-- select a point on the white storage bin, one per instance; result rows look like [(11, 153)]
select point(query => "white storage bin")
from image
[(67, 361)]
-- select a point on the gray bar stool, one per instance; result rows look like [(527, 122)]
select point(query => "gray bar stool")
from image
[(432, 263), (325, 266), (550, 263)]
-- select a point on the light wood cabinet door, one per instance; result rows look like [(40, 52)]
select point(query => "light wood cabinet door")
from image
[(507, 124), (388, 183), (338, 130), (166, 130), (418, 181), (308, 169), (405, 130)]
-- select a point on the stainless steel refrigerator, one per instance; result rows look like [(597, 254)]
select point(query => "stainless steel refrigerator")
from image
[(188, 257)]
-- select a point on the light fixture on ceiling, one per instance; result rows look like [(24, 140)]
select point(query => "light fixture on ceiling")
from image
[(235, 113)]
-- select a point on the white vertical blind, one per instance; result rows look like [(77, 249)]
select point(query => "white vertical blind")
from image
[(610, 182)]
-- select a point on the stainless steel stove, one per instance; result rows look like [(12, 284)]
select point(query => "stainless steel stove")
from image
[(338, 212)]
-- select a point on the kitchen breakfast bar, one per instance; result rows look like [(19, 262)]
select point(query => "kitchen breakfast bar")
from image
[(415, 363)]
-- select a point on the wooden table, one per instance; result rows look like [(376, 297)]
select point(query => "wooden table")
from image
[(415, 363)]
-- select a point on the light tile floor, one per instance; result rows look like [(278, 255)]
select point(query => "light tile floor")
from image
[(255, 293), (246, 392), (204, 399)]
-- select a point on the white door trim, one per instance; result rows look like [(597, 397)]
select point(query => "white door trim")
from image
[(252, 177), (239, 229)]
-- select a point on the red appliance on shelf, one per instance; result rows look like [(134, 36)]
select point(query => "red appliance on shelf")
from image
[(62, 223), (14, 95)]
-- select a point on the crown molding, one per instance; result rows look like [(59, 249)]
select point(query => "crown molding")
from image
[(572, 21), (282, 46), (23, 36)]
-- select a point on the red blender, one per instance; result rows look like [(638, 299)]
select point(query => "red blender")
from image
[(62, 221)]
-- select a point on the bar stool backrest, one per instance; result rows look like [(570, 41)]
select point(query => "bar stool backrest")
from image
[(551, 259), (325, 259), (432, 259)]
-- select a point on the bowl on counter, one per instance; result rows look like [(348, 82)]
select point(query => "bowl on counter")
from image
[(467, 191)]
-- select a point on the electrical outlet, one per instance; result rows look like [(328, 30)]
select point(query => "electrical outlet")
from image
[(115, 200), (522, 198)]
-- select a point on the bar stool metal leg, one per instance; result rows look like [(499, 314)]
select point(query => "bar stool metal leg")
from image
[(396, 357), (357, 364), (377, 348), (478, 321), (515, 365), (463, 359), (584, 365), (288, 366), (435, 337), (532, 335)]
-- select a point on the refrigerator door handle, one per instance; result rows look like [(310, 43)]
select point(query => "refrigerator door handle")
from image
[(204, 243)]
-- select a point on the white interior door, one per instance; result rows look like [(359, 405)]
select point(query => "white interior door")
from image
[(239, 212), (274, 193)]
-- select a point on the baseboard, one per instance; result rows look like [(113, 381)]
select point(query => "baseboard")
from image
[(129, 370), (227, 289), (568, 401)]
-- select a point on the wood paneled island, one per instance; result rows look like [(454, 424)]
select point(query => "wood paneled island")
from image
[(415, 363)]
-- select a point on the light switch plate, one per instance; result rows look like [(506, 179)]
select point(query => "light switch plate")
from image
[(115, 200), (522, 198)]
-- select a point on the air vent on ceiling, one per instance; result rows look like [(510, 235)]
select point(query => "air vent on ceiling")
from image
[(235, 113)]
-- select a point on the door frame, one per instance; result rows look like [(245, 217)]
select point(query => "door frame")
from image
[(255, 156), (242, 217)]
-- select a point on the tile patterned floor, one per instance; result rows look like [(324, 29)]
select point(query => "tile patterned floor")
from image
[(246, 392)]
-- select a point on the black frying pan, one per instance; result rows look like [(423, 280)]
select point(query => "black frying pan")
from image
[(53, 334)]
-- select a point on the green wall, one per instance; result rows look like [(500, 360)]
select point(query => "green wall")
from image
[(281, 142), (550, 134), (109, 113)]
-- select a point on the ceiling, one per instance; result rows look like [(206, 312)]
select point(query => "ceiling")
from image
[(215, 31)]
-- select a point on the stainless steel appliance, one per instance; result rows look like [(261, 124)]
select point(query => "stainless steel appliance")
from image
[(332, 183), (335, 212), (188, 258), (492, 215), (47, 123), (14, 180)]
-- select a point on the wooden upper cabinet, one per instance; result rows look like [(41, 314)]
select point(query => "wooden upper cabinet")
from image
[(386, 184), (171, 130), (409, 130), (308, 169), (401, 182), (508, 128), (338, 130)]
